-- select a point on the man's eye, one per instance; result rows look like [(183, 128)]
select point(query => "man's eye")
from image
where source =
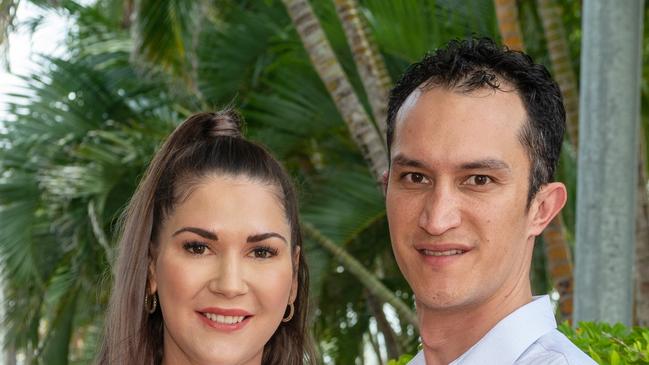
[(479, 180), (263, 252), (195, 248), (415, 177)]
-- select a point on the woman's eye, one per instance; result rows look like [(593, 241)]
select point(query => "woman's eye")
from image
[(478, 180), (195, 248), (264, 252), (415, 177)]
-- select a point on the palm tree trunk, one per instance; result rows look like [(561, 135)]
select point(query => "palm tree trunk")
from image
[(8, 9), (100, 235), (10, 355), (328, 68), (369, 281), (557, 250), (557, 44), (391, 342), (375, 346), (641, 295), (508, 24), (363, 132), (368, 59), (128, 7), (559, 265), (555, 36)]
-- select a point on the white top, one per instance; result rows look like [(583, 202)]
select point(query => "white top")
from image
[(528, 336)]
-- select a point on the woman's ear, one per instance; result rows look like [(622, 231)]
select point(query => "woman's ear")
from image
[(547, 203), (384, 181), (296, 269), (152, 284)]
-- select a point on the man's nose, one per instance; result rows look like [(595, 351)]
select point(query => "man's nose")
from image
[(440, 211), (229, 278)]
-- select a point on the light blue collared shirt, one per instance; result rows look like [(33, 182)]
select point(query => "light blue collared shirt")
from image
[(528, 336)]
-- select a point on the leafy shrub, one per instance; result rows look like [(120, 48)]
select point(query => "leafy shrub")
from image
[(402, 360), (610, 344)]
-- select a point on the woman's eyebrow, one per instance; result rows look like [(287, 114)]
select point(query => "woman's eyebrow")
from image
[(199, 231), (263, 236)]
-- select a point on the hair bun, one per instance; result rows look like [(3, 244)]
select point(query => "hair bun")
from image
[(226, 123)]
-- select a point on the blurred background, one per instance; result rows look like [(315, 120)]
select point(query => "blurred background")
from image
[(90, 88)]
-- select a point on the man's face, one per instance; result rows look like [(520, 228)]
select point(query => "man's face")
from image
[(456, 196)]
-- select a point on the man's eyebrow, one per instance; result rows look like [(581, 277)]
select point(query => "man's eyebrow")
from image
[(263, 236), (199, 231), (488, 164), (402, 160)]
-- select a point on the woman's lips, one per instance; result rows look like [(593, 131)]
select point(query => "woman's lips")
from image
[(224, 319)]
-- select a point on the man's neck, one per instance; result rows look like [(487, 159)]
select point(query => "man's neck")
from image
[(449, 333)]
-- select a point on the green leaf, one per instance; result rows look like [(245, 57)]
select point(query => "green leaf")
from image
[(57, 343), (402, 360), (615, 358)]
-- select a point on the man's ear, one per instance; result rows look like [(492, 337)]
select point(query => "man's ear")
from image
[(384, 181), (296, 269), (547, 203)]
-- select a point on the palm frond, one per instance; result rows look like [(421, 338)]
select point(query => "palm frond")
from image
[(163, 31), (233, 56), (406, 30)]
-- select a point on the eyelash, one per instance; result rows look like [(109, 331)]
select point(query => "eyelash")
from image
[(267, 250), (474, 177), (409, 176), (192, 246), (259, 252)]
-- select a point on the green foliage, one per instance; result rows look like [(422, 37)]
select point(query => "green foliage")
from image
[(402, 360), (610, 344), (81, 135), (406, 30), (163, 32)]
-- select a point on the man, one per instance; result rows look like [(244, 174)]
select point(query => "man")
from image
[(474, 134)]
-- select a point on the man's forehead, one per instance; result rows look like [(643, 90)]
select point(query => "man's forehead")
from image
[(408, 104), (459, 127), (428, 85)]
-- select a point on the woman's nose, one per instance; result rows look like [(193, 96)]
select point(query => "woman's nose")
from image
[(228, 279)]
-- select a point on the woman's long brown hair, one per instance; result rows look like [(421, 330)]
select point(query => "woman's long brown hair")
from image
[(204, 144)]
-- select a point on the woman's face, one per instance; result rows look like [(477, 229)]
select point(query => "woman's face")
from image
[(223, 272)]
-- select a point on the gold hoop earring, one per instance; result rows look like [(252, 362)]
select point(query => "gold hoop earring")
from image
[(154, 303), (291, 311)]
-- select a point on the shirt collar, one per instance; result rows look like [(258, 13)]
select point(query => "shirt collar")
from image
[(510, 337)]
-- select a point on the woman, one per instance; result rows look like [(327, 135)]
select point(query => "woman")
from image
[(210, 267)]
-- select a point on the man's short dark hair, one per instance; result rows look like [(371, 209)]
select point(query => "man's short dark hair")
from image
[(477, 63)]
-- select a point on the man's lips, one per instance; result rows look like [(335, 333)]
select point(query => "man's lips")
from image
[(442, 249)]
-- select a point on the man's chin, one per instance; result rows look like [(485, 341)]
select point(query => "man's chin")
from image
[(442, 301), (438, 301)]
